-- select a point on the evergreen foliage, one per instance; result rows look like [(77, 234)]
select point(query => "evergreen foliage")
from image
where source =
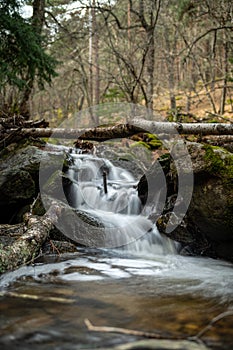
[(22, 56)]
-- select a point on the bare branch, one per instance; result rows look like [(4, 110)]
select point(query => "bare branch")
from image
[(206, 33)]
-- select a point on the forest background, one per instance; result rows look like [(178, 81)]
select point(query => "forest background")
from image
[(60, 56)]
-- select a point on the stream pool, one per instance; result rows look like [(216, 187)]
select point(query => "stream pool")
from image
[(44, 306)]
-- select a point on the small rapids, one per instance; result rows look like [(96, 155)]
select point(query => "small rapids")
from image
[(89, 190), (109, 193)]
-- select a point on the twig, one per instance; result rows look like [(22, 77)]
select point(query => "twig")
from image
[(106, 329), (36, 297), (54, 248), (213, 321), (34, 203), (196, 338)]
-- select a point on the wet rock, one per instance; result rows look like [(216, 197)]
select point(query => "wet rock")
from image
[(78, 226), (207, 228), (136, 159), (16, 185), (19, 178)]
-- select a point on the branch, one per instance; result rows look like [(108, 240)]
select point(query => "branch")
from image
[(127, 130), (107, 329), (213, 321), (36, 297), (206, 33), (196, 338)]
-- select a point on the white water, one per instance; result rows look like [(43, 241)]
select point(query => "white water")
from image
[(162, 274), (115, 203), (88, 189)]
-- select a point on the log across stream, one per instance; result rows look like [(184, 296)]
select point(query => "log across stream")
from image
[(126, 130)]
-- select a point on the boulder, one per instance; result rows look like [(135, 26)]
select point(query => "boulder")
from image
[(19, 177), (211, 208), (207, 227), (77, 226)]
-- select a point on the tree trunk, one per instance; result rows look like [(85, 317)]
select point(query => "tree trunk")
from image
[(127, 130), (38, 18), (96, 78), (170, 63), (224, 89), (150, 68), (27, 246)]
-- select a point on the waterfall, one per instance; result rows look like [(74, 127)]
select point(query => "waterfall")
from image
[(110, 193)]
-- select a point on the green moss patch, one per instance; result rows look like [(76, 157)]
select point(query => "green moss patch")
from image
[(220, 162)]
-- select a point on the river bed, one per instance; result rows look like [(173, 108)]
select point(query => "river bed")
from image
[(44, 306)]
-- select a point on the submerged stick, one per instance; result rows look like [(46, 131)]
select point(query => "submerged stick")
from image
[(37, 297), (213, 321), (107, 329), (195, 338)]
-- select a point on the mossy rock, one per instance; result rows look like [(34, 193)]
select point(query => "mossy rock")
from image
[(149, 141), (219, 162), (211, 207), (14, 148), (209, 218)]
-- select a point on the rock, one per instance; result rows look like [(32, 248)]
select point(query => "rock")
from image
[(207, 228), (136, 159), (16, 185), (19, 178), (212, 200), (79, 226)]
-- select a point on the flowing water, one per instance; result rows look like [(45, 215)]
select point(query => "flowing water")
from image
[(144, 285)]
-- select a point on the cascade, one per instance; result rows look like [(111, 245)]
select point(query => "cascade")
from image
[(109, 193)]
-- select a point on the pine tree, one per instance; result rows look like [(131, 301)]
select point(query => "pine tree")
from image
[(23, 59)]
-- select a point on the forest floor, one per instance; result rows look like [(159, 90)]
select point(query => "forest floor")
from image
[(200, 107)]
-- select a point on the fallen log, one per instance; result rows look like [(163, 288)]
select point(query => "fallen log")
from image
[(183, 128), (127, 130), (27, 246)]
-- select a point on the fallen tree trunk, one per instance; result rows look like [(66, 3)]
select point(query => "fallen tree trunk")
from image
[(183, 128), (27, 246), (126, 130)]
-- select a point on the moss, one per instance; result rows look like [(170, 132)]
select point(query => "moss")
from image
[(149, 141), (13, 148), (150, 137), (140, 143), (153, 141), (154, 144), (127, 157), (220, 162)]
